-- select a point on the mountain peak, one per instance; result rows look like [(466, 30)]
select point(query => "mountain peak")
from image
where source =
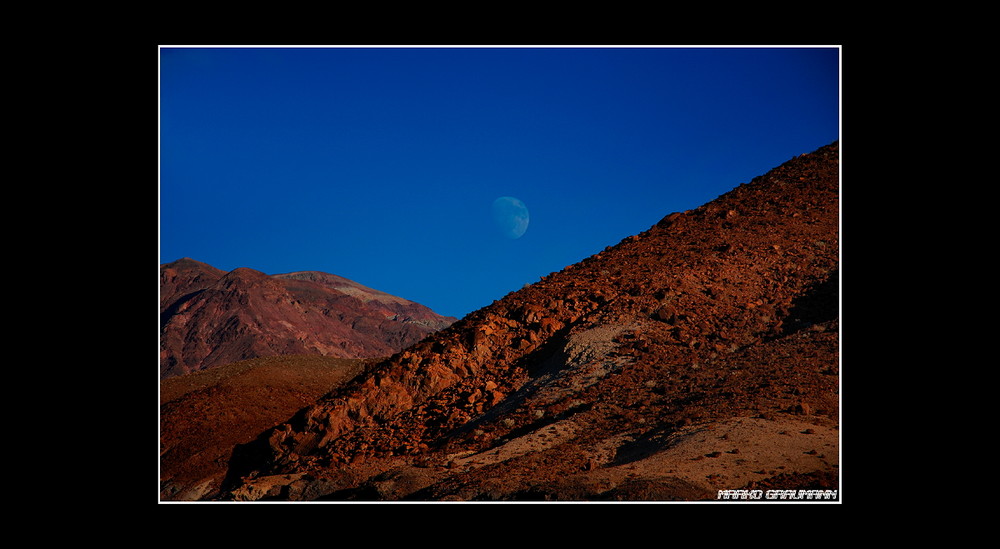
[(188, 264), (211, 317), (246, 277)]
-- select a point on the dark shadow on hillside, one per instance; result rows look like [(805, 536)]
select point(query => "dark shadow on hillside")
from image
[(818, 304), (172, 309)]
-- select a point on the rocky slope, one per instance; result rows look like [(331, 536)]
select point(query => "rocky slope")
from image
[(210, 317), (700, 355), (205, 414)]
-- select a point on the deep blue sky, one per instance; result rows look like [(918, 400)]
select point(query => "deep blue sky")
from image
[(382, 164)]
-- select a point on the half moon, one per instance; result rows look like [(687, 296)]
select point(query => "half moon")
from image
[(511, 216)]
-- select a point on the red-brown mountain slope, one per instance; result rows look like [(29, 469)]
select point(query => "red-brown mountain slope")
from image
[(210, 317), (701, 355), (203, 415)]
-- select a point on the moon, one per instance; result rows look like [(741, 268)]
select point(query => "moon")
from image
[(510, 216)]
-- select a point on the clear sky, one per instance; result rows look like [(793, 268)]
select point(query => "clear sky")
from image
[(383, 165)]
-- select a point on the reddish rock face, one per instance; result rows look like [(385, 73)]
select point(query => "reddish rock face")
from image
[(210, 317), (700, 355)]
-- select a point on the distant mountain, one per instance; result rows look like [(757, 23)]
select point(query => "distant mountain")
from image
[(210, 317), (699, 356)]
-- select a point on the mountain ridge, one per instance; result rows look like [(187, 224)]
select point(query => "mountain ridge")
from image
[(211, 317), (721, 318)]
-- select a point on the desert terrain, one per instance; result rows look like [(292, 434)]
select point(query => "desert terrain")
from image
[(697, 361)]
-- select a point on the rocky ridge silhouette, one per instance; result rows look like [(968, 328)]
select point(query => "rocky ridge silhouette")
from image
[(211, 318), (700, 355)]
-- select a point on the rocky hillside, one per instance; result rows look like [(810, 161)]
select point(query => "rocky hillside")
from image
[(205, 414), (210, 317), (700, 355)]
